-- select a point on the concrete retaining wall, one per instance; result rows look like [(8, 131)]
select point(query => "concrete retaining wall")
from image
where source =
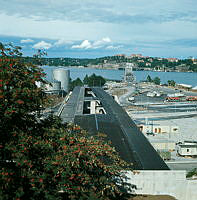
[(171, 182)]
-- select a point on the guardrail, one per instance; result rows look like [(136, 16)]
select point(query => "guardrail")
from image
[(59, 112)]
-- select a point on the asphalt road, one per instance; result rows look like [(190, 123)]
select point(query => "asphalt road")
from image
[(141, 99)]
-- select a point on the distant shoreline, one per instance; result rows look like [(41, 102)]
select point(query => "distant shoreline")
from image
[(82, 67)]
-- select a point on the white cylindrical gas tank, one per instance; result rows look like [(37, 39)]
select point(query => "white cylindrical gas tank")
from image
[(62, 75)]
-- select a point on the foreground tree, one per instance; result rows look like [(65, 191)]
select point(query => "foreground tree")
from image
[(45, 159)]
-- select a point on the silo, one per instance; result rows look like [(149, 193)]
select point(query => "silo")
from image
[(62, 75)]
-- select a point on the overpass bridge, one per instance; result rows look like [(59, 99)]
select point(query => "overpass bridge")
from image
[(96, 111)]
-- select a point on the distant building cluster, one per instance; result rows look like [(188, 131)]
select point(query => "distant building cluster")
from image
[(151, 59), (137, 55)]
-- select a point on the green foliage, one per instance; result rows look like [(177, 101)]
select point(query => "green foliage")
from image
[(149, 79), (90, 81), (19, 95), (155, 63), (94, 80), (60, 158), (75, 83), (171, 83), (85, 80), (192, 173), (45, 159), (157, 80), (38, 56), (193, 67)]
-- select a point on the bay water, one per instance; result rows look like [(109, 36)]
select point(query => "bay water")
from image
[(189, 78)]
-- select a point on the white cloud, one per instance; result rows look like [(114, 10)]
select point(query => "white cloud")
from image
[(95, 45), (125, 11), (27, 41), (107, 39), (62, 42), (42, 45), (128, 22), (84, 45), (100, 43), (111, 47)]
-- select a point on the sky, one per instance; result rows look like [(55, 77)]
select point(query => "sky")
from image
[(90, 28)]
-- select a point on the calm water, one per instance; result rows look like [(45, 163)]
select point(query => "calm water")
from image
[(178, 77)]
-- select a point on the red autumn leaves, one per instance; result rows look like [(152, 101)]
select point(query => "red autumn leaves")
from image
[(18, 92), (20, 101)]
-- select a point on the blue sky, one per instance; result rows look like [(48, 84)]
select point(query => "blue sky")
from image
[(89, 28)]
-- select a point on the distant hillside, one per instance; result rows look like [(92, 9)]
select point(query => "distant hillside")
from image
[(141, 63)]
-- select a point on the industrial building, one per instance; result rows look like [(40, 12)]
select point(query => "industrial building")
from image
[(59, 84), (62, 75), (96, 111), (187, 148), (53, 87)]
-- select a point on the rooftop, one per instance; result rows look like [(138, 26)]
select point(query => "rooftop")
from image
[(119, 128)]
